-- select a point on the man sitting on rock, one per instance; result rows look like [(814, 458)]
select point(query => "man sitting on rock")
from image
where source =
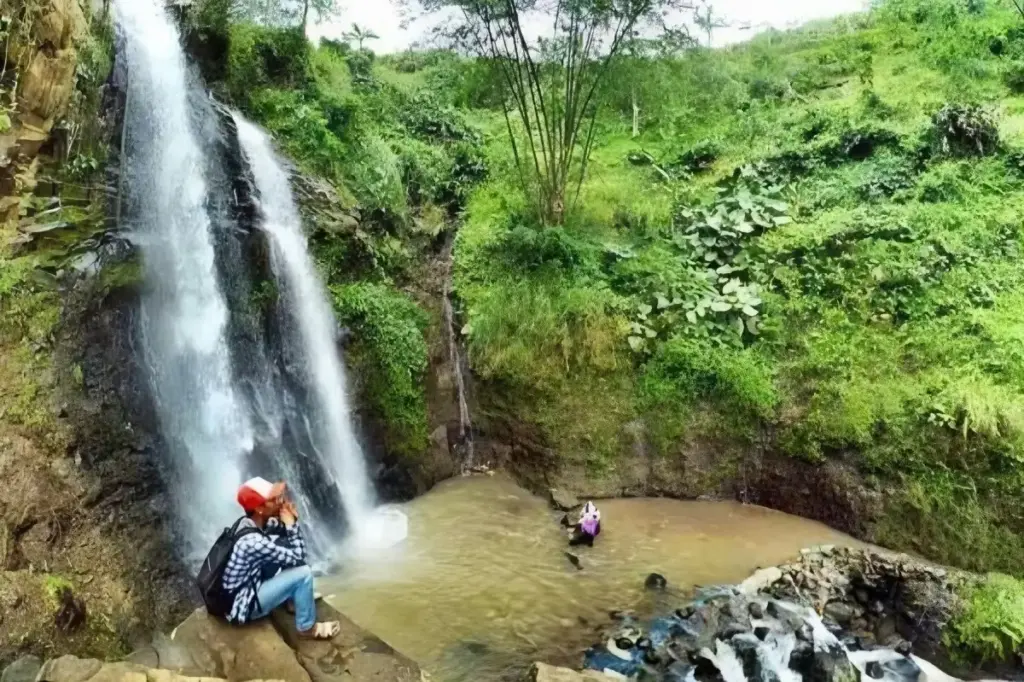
[(268, 568), (587, 528)]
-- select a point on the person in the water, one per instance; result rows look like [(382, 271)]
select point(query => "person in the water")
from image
[(267, 566), (587, 528)]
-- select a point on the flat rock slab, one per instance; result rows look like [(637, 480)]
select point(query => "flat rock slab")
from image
[(542, 672), (354, 654), (235, 653)]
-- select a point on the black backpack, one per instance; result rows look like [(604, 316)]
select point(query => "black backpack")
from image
[(211, 575)]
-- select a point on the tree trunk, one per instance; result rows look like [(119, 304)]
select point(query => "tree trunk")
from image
[(636, 113), (305, 15)]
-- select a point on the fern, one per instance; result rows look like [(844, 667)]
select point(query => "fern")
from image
[(991, 626)]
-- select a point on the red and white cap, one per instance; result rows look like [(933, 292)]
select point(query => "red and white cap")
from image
[(256, 492)]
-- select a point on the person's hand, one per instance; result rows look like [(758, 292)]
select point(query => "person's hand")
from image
[(289, 515)]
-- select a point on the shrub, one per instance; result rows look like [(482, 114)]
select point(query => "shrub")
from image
[(697, 158), (376, 177), (964, 130), (389, 344), (529, 248), (684, 371), (1013, 77), (261, 56), (991, 626), (537, 331)]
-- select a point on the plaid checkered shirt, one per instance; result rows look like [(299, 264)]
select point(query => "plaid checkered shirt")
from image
[(256, 554)]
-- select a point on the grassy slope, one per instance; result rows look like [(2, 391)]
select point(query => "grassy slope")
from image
[(892, 317), (890, 321)]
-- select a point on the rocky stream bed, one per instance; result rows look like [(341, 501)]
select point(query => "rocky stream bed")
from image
[(835, 614)]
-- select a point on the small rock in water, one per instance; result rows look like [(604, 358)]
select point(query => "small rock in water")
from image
[(761, 632), (904, 648), (685, 612), (624, 643), (756, 610), (644, 643), (574, 560), (805, 633), (903, 668), (730, 631), (651, 657), (802, 658), (874, 670), (655, 581)]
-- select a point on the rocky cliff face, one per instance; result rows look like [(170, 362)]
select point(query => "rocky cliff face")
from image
[(85, 561)]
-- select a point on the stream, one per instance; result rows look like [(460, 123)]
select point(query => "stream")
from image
[(482, 588)]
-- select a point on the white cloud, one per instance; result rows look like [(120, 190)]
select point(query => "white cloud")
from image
[(384, 18)]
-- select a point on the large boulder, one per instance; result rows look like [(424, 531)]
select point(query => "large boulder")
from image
[(205, 646)]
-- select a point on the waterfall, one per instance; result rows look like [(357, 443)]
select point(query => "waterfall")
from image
[(328, 413), (184, 314)]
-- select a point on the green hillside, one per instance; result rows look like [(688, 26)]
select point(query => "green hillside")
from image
[(811, 250)]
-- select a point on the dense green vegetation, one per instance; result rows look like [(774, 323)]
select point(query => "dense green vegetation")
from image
[(991, 625), (812, 246)]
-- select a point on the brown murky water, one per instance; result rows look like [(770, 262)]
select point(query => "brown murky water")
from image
[(482, 588)]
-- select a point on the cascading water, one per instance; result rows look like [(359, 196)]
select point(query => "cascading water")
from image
[(328, 415), (184, 314)]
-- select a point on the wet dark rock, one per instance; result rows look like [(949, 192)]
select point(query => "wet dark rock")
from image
[(904, 668), (624, 643), (904, 648), (805, 634), (731, 630), (874, 670), (685, 613), (644, 643), (756, 610), (802, 658), (678, 672), (706, 671), (655, 581), (651, 657), (761, 632)]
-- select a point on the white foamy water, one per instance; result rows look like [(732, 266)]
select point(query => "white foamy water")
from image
[(331, 423), (184, 315)]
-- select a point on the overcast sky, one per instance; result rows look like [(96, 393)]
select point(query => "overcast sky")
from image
[(382, 17)]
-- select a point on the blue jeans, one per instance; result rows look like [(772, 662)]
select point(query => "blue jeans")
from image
[(292, 583)]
